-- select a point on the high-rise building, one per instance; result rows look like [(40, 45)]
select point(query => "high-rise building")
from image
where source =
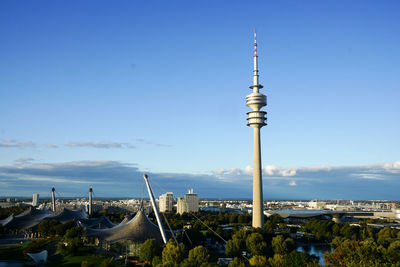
[(166, 202), (256, 119), (35, 200), (180, 205), (189, 203)]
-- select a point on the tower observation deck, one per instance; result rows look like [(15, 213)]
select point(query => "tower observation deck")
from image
[(256, 119)]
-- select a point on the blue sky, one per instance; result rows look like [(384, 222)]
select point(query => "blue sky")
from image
[(159, 86)]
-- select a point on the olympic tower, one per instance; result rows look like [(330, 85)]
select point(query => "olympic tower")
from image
[(256, 119)]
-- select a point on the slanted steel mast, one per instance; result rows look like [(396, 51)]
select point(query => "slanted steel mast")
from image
[(90, 201), (53, 199), (153, 203), (256, 119)]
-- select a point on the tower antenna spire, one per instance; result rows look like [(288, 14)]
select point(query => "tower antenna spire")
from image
[(255, 85), (255, 43)]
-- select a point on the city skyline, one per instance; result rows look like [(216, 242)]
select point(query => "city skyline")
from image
[(93, 94)]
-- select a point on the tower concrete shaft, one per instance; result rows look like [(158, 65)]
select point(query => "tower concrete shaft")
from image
[(53, 199), (256, 119)]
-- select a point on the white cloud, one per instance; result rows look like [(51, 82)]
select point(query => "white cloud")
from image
[(270, 169), (220, 171), (8, 140), (116, 178), (11, 143), (147, 142), (106, 145), (24, 160), (51, 146), (316, 168), (235, 171), (392, 166), (248, 170), (369, 176), (57, 180), (287, 172)]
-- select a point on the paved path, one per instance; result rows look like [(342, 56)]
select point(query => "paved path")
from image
[(11, 264), (13, 239)]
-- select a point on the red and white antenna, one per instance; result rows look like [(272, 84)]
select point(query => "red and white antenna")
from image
[(255, 70), (255, 43)]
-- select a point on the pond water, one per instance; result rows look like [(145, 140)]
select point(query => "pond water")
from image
[(301, 211), (315, 249)]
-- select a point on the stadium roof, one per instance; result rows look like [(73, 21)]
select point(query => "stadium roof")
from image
[(138, 229)]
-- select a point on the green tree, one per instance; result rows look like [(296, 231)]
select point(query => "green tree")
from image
[(350, 232), (386, 236), (232, 248), (237, 262), (269, 227), (337, 241), (62, 228), (156, 261), (393, 252), (336, 229), (149, 249), (86, 264), (255, 244), (366, 232), (106, 263), (198, 256), (258, 261), (235, 246), (71, 247), (276, 261), (47, 227), (282, 246), (172, 255), (233, 218), (243, 219), (300, 259), (356, 253), (73, 232), (73, 242)]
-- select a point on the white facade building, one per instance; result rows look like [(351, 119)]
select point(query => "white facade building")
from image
[(166, 202), (316, 205), (189, 203), (35, 200)]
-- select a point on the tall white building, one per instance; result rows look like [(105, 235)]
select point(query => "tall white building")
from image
[(35, 200), (189, 203), (166, 202)]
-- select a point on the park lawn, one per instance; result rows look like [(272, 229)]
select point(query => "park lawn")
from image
[(72, 261), (16, 252), (13, 252)]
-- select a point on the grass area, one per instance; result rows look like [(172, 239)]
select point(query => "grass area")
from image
[(13, 252), (16, 252), (75, 261)]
